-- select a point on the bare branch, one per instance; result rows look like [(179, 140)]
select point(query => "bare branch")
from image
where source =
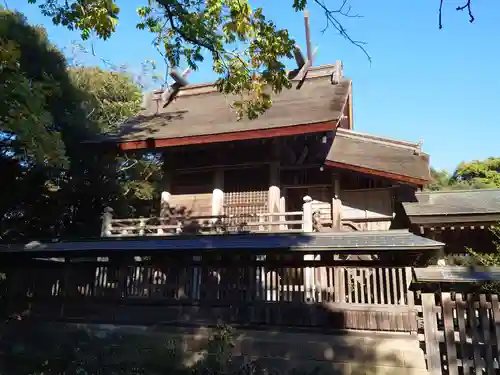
[(440, 14), (467, 5), (331, 20)]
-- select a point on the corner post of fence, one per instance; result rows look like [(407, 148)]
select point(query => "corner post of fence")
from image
[(307, 215), (107, 217)]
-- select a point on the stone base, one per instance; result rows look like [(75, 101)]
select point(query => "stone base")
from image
[(279, 352)]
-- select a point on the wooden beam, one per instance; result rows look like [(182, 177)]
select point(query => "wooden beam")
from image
[(228, 137), (350, 109), (373, 172)]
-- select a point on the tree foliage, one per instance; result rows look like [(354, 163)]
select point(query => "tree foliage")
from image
[(51, 184), (109, 98), (477, 174), (246, 48), (30, 93), (491, 259)]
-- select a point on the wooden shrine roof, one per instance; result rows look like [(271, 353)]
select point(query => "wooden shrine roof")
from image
[(481, 205), (200, 114), (385, 157), (391, 240)]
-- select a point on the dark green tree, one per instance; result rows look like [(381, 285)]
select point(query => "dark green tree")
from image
[(477, 174), (51, 184)]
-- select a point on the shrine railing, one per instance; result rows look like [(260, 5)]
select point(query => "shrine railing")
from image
[(291, 222)]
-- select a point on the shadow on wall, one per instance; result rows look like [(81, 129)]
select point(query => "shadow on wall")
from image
[(29, 348)]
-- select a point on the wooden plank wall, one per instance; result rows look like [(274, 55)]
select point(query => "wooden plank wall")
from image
[(195, 204), (461, 333), (365, 206), (192, 192), (241, 291)]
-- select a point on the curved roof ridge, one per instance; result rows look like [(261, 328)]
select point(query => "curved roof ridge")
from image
[(319, 71), (379, 139)]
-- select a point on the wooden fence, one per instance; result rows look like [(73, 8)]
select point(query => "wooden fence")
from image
[(461, 325), (206, 290)]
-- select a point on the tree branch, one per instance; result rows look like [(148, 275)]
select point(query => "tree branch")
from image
[(332, 20), (467, 5), (171, 20)]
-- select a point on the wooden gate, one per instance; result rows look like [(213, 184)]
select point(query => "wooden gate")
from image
[(461, 324)]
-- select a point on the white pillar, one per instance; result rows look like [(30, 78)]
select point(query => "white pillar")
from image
[(164, 206), (218, 193), (307, 227), (106, 225), (283, 210), (274, 193), (307, 215)]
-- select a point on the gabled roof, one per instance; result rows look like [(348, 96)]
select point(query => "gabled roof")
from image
[(385, 157), (200, 112), (391, 240), (481, 205)]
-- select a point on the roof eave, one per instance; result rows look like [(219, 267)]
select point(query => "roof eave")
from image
[(436, 219), (291, 130), (253, 243), (384, 174)]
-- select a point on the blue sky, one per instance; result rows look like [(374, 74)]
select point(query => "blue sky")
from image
[(439, 86)]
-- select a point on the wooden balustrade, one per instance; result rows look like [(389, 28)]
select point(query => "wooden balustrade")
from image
[(296, 221), (285, 222)]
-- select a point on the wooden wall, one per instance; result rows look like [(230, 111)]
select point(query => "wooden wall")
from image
[(364, 207), (192, 192), (366, 204), (246, 191)]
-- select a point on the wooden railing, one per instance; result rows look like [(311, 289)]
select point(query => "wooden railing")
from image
[(268, 222), (205, 290), (461, 323), (313, 218), (292, 222)]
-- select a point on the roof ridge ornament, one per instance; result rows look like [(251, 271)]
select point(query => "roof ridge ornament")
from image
[(418, 149), (338, 73), (303, 64), (171, 91)]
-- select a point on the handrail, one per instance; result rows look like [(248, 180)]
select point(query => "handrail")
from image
[(151, 226)]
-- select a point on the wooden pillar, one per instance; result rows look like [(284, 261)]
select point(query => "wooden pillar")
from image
[(307, 224), (218, 193), (166, 184), (283, 210), (274, 195), (307, 227), (336, 205), (106, 225)]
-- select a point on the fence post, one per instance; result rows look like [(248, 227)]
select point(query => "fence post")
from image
[(307, 226), (307, 215), (430, 334), (164, 210), (142, 224), (107, 216), (336, 214)]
